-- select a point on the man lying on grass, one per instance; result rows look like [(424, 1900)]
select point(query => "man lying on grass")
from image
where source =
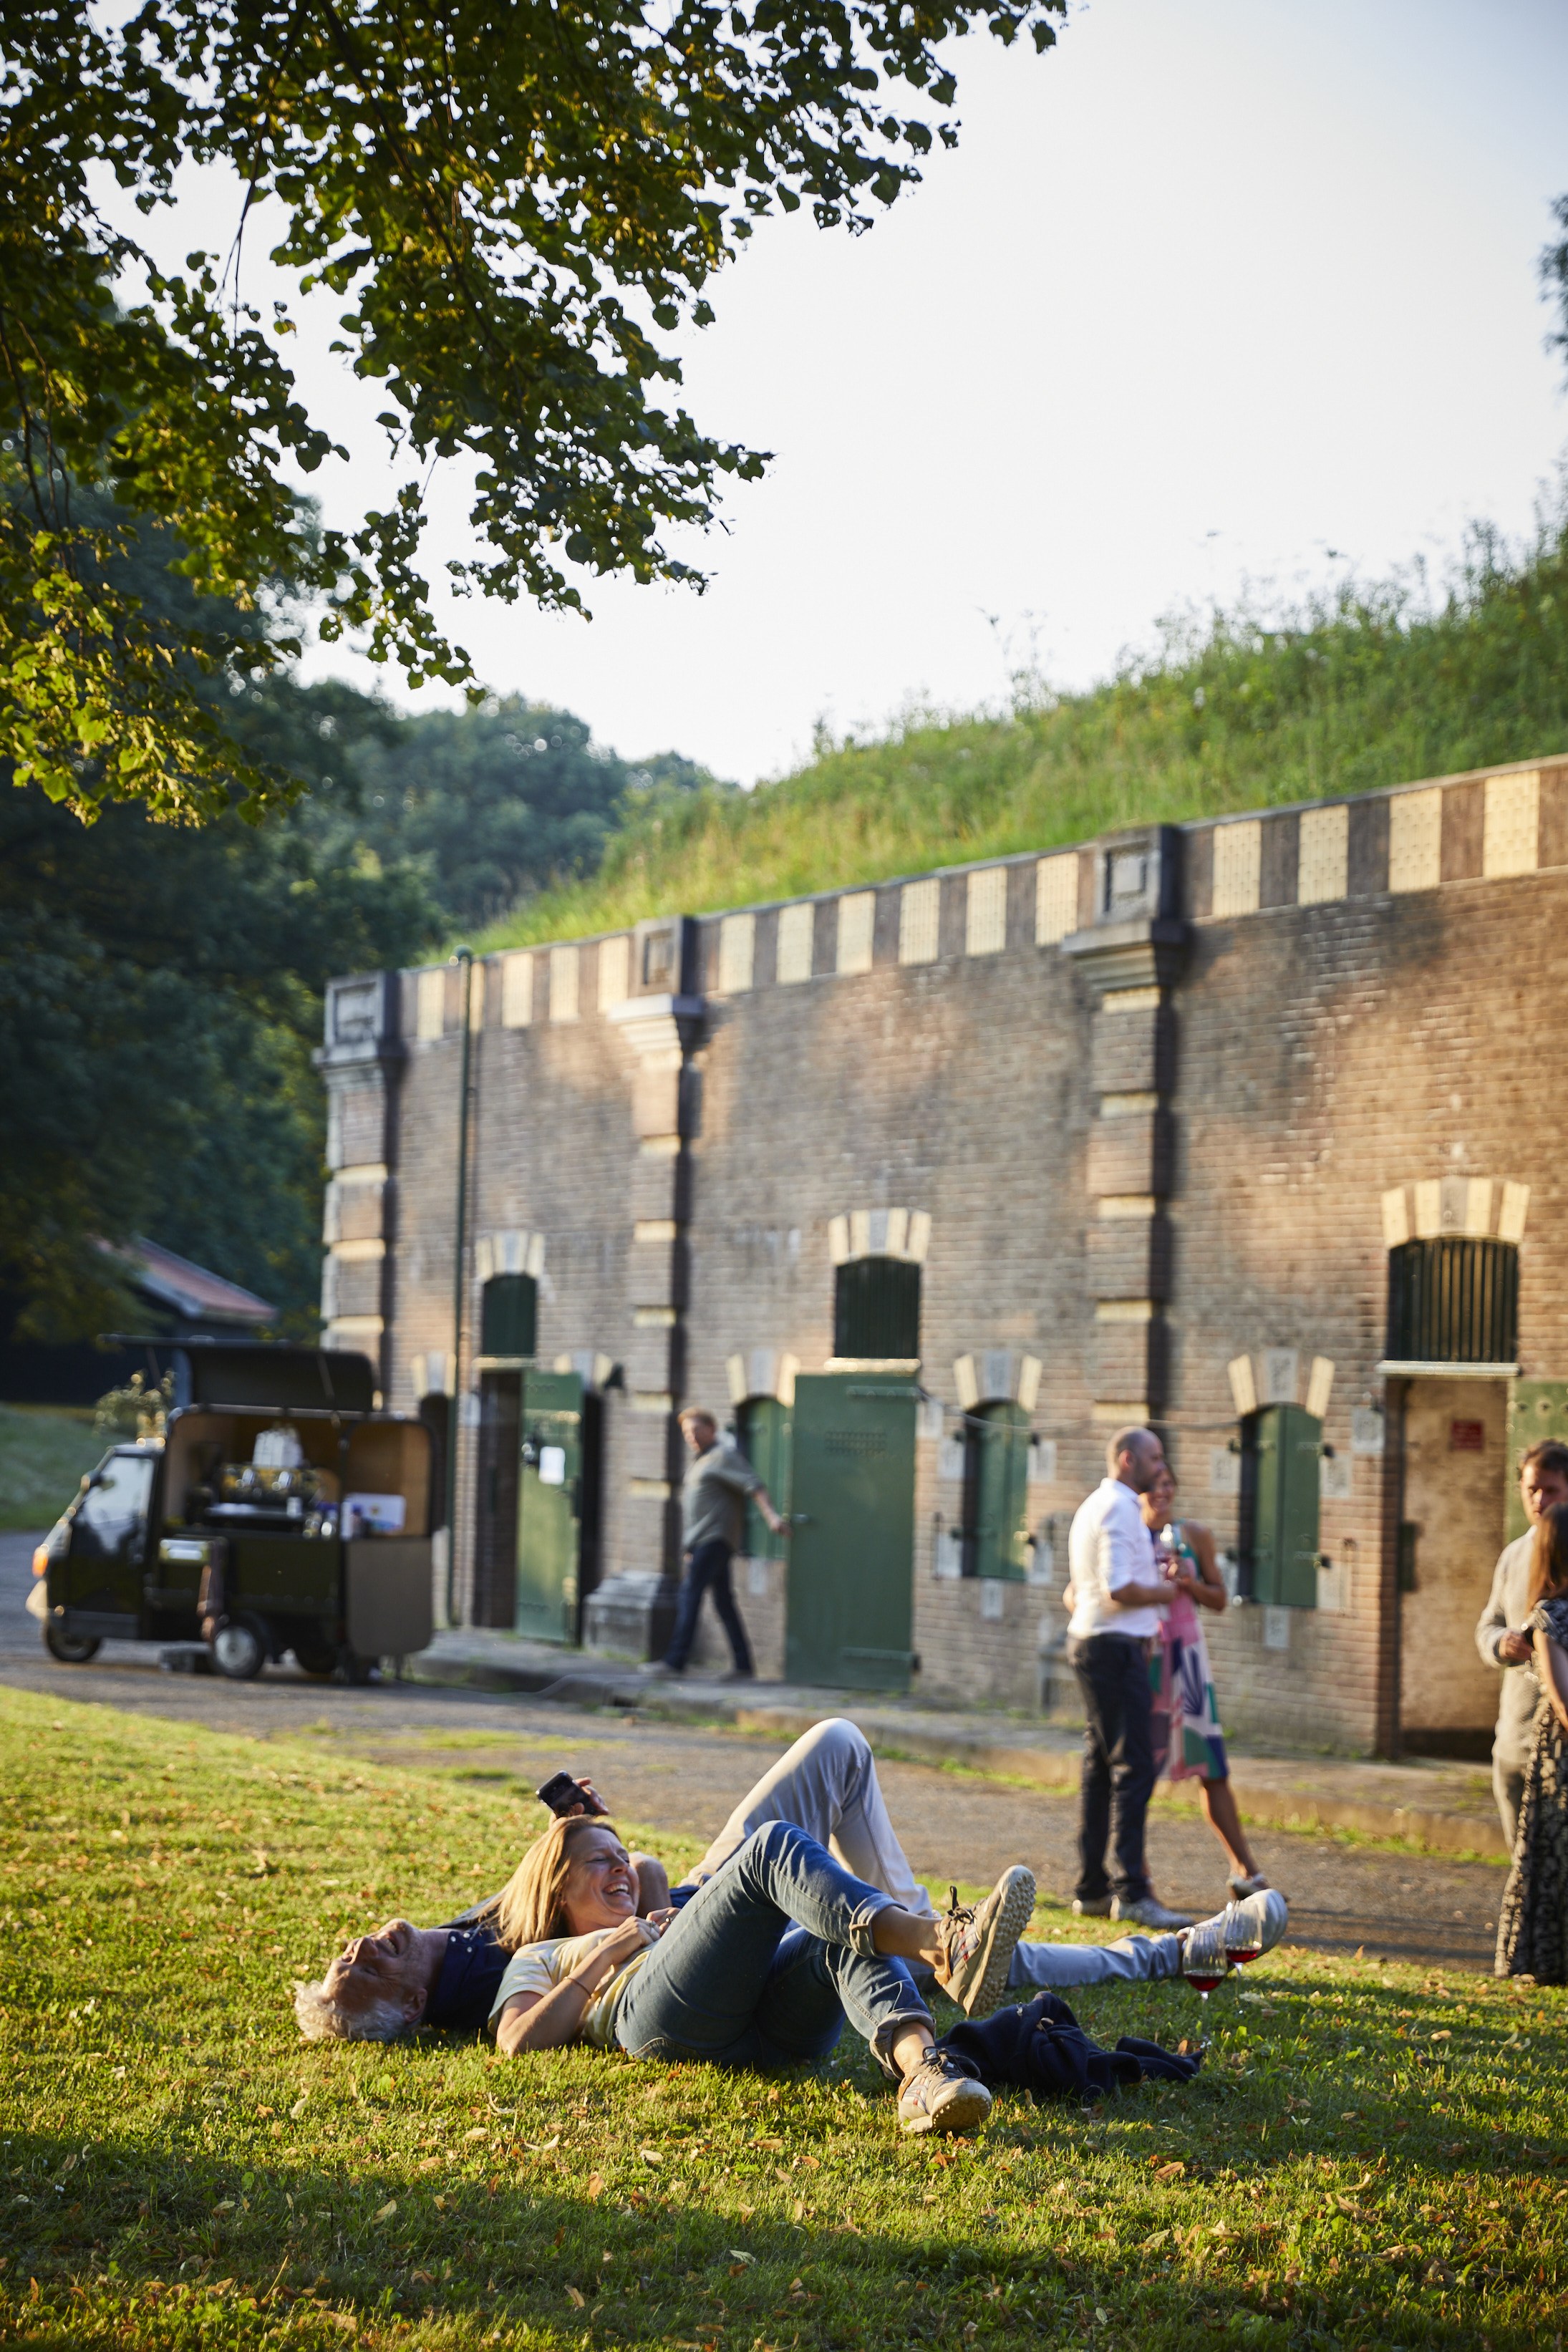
[(384, 1984)]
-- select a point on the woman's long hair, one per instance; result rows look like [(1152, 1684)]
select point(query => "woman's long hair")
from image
[(1549, 1557), (530, 1907)]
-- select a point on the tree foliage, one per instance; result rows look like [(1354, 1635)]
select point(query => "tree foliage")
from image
[(1554, 277), (490, 804), (160, 994), (513, 207), (161, 986)]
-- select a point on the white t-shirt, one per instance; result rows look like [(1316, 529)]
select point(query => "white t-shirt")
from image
[(540, 1967), (1109, 1547)]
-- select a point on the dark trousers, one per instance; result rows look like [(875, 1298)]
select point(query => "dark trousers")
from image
[(707, 1570), (1117, 1763)]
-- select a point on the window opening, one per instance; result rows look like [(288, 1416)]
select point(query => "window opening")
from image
[(1453, 1302), (110, 1517), (997, 1492), (509, 1315), (877, 1309)]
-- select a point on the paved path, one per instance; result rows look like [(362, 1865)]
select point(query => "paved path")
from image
[(686, 1777)]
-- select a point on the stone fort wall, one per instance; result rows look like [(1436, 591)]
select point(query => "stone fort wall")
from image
[(1150, 1112)]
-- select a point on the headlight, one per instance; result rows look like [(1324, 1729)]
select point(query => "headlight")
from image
[(55, 1546)]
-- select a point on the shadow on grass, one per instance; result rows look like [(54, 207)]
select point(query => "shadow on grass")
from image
[(114, 2246)]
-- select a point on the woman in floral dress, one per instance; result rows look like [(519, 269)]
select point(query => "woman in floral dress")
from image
[(1188, 1742), (1533, 1927)]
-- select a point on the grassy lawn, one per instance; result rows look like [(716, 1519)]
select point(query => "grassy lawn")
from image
[(43, 1451), (1374, 2156)]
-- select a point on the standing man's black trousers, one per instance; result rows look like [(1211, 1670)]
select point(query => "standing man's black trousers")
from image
[(707, 1570), (1117, 1763)]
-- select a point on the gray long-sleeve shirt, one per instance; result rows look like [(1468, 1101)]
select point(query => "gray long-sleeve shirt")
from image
[(713, 1498), (1506, 1612)]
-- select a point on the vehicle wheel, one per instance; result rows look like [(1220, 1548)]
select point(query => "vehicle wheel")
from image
[(315, 1658), (239, 1649), (70, 1649)]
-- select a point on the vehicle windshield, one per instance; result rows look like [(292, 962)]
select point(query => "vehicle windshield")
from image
[(114, 1508)]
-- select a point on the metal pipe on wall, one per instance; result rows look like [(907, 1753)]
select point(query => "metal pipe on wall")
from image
[(463, 957)]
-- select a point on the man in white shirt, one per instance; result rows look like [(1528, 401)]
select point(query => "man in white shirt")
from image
[(1542, 1484), (1118, 1596)]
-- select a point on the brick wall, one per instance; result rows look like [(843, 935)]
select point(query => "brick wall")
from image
[(1142, 1110)]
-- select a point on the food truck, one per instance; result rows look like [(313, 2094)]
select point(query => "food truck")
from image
[(278, 1510)]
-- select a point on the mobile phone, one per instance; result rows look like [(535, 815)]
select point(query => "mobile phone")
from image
[(563, 1795)]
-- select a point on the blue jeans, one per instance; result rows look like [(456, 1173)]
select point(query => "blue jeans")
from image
[(765, 1962), (707, 1569)]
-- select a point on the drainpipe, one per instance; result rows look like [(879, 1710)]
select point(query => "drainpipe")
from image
[(465, 958)]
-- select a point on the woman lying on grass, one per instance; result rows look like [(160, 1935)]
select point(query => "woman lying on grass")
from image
[(759, 1969)]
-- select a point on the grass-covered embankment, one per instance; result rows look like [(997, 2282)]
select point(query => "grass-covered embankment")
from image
[(45, 1452), (1370, 685), (1373, 2156)]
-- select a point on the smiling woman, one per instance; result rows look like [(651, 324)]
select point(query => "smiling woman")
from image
[(758, 1969)]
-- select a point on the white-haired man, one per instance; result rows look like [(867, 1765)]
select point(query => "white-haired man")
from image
[(1118, 1596), (384, 1984)]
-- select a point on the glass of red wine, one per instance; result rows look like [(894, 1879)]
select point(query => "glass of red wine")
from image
[(1204, 1960), (1241, 1943)]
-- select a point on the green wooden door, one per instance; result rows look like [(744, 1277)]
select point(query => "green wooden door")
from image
[(763, 1427), (1288, 1445), (549, 1505), (999, 1483), (851, 1566), (1536, 1409)]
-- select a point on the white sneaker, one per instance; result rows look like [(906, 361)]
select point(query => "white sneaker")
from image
[(1092, 1906), (1147, 1913)]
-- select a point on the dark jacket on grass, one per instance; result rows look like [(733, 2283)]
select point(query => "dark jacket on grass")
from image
[(1044, 2049)]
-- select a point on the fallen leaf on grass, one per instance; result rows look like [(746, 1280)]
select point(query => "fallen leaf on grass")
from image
[(576, 2296), (385, 2212), (478, 2132), (1170, 2171), (739, 2255), (651, 2155), (225, 2206), (595, 2184)]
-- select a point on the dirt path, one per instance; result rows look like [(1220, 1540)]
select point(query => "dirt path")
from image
[(685, 1777)]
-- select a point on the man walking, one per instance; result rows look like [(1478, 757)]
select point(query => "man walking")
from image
[(713, 1512), (1542, 1484), (1118, 1594)]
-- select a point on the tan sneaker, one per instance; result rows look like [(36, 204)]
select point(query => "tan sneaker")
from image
[(977, 1946)]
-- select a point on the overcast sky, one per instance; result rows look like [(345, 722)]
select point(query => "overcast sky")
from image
[(1214, 287)]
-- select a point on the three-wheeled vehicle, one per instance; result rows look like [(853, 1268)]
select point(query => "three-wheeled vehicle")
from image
[(279, 1511)]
